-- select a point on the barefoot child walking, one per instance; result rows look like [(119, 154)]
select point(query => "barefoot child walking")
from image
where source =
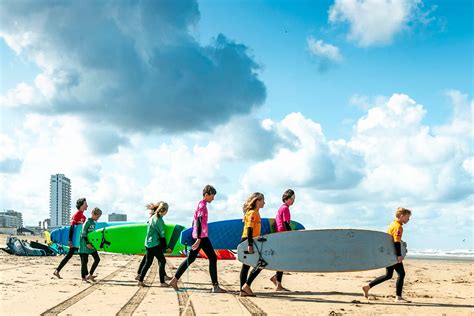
[(396, 230), (252, 227), (282, 222), (202, 241), (86, 247), (155, 242)]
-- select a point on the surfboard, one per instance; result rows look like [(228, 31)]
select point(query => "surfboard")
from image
[(326, 250), (130, 239), (227, 234), (61, 235)]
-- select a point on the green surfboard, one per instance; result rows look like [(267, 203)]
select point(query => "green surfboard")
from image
[(130, 239)]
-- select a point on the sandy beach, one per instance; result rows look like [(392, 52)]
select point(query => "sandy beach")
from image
[(28, 287)]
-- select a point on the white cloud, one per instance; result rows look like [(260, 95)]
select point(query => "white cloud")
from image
[(22, 94), (324, 50), (374, 22)]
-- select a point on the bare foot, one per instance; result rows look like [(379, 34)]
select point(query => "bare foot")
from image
[(137, 277), (174, 283), (274, 280), (85, 280), (243, 294), (281, 289), (366, 291), (400, 299), (164, 284), (140, 283), (56, 274), (167, 278), (91, 277), (247, 290), (218, 289)]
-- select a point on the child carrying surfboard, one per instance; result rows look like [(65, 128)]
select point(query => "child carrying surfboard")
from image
[(202, 241), (77, 218), (151, 211), (402, 216), (155, 242), (86, 248), (252, 228), (282, 223)]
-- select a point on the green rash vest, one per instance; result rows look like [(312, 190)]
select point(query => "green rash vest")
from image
[(155, 231), (89, 226)]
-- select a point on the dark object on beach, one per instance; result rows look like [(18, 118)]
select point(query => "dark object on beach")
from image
[(22, 248), (49, 251)]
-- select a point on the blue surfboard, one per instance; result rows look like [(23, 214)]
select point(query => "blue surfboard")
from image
[(227, 234), (61, 235)]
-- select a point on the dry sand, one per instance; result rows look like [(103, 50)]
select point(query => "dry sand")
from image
[(29, 288)]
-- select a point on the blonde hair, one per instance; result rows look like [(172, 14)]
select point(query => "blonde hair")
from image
[(160, 208), (96, 211), (251, 202), (402, 211)]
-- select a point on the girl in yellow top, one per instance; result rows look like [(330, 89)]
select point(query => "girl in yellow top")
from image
[(396, 231), (252, 225)]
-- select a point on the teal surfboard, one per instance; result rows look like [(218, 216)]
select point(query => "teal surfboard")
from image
[(326, 250), (130, 239)]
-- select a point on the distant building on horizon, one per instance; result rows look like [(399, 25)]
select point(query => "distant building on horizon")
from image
[(113, 217), (60, 200), (10, 218)]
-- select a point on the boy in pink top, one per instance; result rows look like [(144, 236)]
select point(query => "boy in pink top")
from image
[(282, 221), (200, 234)]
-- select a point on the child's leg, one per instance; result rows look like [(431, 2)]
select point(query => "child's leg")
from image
[(84, 260), (401, 277), (211, 255), (142, 264), (96, 257), (66, 259), (243, 274), (187, 262), (253, 274), (148, 262), (162, 262)]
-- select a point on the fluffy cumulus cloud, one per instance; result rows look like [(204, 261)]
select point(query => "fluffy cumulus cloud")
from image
[(376, 22), (134, 66)]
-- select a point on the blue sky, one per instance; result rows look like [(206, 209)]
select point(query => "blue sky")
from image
[(360, 106)]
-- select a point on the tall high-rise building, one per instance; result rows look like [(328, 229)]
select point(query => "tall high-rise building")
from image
[(60, 200)]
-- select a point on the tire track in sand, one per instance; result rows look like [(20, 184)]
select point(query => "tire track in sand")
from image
[(55, 310)]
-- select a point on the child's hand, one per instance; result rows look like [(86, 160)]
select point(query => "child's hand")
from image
[(169, 250), (250, 249), (196, 244), (90, 246), (399, 259)]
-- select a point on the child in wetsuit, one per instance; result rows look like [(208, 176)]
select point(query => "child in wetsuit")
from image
[(202, 241), (155, 242), (86, 248), (77, 218), (282, 223), (252, 226), (396, 230)]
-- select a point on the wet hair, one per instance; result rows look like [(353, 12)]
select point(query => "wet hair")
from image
[(288, 194), (80, 202), (160, 208), (251, 202), (209, 189), (96, 211), (402, 211)]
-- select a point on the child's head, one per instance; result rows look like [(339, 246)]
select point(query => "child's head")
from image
[(81, 204), (96, 213), (159, 208), (403, 214), (288, 197), (208, 193), (254, 201)]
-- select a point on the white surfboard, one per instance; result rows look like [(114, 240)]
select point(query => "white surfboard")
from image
[(325, 250)]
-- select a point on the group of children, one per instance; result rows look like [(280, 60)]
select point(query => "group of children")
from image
[(155, 242)]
